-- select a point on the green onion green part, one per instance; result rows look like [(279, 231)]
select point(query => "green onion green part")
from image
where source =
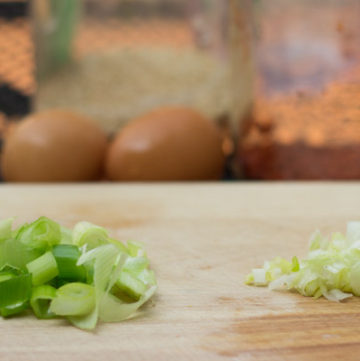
[(4, 276), (66, 257), (15, 309), (15, 290), (43, 269), (40, 301), (81, 274)]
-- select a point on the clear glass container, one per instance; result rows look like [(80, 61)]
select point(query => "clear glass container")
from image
[(16, 61), (116, 59), (305, 119)]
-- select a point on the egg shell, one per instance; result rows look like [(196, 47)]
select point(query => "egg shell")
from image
[(167, 144), (54, 146)]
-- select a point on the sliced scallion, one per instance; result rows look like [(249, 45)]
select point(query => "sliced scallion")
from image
[(134, 248), (331, 268), (103, 259), (73, 299), (40, 301), (66, 257), (40, 234), (15, 290), (16, 254), (130, 285), (4, 276), (5, 229), (15, 309), (43, 269), (81, 274), (112, 309), (91, 235)]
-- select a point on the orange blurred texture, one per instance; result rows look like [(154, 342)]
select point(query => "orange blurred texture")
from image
[(304, 123), (17, 80)]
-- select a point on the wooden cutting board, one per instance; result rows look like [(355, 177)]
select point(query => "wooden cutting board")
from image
[(202, 240)]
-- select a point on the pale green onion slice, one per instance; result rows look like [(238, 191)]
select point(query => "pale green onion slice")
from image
[(136, 265), (40, 300), (104, 258), (91, 235), (119, 245), (148, 277), (43, 269), (136, 278), (135, 249), (41, 234), (113, 309), (5, 229), (66, 235), (74, 299), (132, 286), (16, 254)]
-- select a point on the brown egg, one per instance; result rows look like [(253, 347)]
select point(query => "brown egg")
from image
[(166, 144), (54, 146)]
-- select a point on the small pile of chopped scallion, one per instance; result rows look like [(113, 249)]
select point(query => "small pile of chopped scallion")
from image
[(81, 274), (331, 268)]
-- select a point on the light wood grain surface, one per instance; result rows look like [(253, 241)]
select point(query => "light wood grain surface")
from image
[(202, 240)]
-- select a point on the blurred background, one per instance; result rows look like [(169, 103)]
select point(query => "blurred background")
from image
[(179, 90)]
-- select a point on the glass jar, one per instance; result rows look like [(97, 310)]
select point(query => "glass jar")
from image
[(116, 59), (305, 118), (16, 62)]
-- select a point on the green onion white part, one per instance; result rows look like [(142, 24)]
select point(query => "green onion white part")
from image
[(331, 268)]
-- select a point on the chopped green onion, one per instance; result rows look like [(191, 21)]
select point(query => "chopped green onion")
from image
[(295, 264), (331, 268), (5, 229), (119, 245), (15, 309), (66, 257), (58, 282), (130, 285), (91, 235), (40, 234), (114, 310), (40, 301), (148, 277), (136, 265), (81, 274), (73, 299), (104, 258), (43, 269), (4, 276), (16, 254), (66, 235), (134, 248), (15, 290)]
